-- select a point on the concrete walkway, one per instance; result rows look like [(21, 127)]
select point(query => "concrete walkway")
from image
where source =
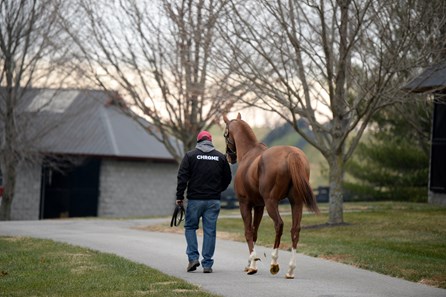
[(166, 252)]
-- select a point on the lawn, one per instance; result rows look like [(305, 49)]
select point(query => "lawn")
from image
[(35, 267), (405, 240)]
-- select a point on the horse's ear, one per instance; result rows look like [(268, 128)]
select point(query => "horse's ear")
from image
[(239, 116), (225, 118)]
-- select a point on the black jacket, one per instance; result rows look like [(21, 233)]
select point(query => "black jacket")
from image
[(205, 173)]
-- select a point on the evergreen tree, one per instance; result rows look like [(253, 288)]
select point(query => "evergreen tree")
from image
[(393, 164)]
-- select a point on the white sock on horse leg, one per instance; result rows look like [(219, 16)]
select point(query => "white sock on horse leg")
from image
[(292, 264), (274, 256), (252, 259)]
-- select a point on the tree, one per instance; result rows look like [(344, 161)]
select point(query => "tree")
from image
[(27, 51), (161, 57), (332, 63)]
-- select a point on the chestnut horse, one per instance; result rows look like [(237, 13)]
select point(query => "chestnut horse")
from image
[(264, 177)]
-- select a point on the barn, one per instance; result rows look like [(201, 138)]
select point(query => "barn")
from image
[(432, 80), (93, 160)]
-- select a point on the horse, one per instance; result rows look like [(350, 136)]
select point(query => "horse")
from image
[(264, 177)]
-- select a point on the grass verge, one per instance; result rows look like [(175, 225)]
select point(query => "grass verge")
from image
[(36, 267)]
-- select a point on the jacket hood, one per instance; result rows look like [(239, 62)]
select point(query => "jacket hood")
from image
[(205, 146)]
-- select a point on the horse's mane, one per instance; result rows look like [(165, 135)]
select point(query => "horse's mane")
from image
[(249, 133)]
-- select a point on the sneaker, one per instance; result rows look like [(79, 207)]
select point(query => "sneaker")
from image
[(193, 265), (207, 270)]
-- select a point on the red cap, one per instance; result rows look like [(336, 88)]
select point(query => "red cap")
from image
[(203, 134)]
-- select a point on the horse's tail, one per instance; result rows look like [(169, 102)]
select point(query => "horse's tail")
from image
[(301, 183)]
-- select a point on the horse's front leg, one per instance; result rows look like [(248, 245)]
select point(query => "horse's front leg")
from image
[(245, 211), (252, 262)]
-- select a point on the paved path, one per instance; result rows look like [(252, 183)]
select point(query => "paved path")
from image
[(166, 252)]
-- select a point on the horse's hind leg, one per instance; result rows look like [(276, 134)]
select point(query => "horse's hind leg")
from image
[(296, 209), (258, 215), (273, 211)]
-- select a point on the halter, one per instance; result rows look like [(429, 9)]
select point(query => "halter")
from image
[(230, 146)]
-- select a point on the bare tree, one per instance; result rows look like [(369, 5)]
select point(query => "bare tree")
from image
[(28, 45), (160, 56), (333, 63)]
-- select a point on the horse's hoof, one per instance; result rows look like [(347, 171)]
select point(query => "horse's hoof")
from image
[(287, 276), (274, 269), (251, 271)]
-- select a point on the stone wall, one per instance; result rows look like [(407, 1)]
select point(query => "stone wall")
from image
[(26, 203), (136, 188), (437, 198)]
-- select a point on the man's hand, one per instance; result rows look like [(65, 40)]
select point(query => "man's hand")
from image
[(180, 202)]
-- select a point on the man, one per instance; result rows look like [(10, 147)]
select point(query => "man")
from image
[(205, 173)]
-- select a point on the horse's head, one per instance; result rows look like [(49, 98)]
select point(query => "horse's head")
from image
[(231, 150)]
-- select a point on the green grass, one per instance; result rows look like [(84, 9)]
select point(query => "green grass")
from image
[(35, 267), (405, 240)]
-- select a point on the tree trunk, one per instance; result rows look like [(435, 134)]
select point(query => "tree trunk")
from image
[(9, 180), (336, 178)]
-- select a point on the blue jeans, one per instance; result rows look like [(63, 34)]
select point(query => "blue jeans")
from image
[(208, 211)]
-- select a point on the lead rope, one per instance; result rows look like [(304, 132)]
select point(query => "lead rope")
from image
[(178, 216)]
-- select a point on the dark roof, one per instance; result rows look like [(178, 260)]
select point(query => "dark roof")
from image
[(431, 79), (87, 122)]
